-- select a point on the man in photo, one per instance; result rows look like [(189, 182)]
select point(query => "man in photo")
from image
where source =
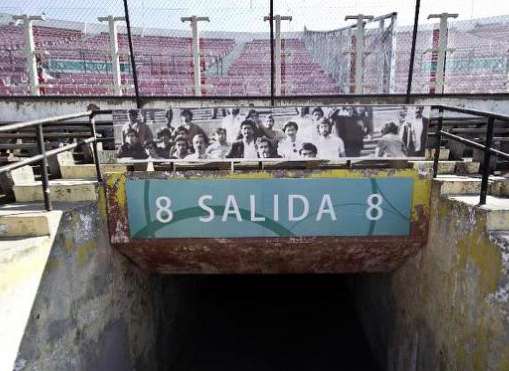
[(186, 118), (265, 148), (231, 123), (308, 150), (290, 146), (165, 143), (199, 148), (132, 148), (153, 151), (137, 123), (410, 131), (420, 128), (274, 135), (329, 146), (181, 131), (310, 131), (245, 147), (351, 129), (181, 148), (219, 147)]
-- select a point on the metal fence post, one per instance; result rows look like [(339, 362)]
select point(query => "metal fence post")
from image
[(486, 162), (132, 56), (94, 147), (44, 168), (272, 62), (412, 52), (438, 138)]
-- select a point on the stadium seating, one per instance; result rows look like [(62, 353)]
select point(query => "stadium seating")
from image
[(80, 63)]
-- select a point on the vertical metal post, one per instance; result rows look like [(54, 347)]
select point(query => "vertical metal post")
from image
[(93, 131), (391, 84), (196, 50), (412, 52), (115, 57), (277, 55), (31, 62), (131, 53), (278, 52), (359, 49), (486, 161), (272, 66), (438, 138), (44, 168), (442, 49)]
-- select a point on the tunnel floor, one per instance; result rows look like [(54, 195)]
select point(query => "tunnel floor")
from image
[(267, 323)]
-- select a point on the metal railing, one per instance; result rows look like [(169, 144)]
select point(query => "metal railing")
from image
[(487, 148), (43, 155)]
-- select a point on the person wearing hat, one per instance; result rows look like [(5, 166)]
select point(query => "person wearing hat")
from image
[(245, 147), (329, 146), (290, 146)]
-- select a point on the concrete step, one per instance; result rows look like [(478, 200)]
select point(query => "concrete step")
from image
[(497, 209), (430, 153), (22, 263), (27, 220), (447, 167), (87, 171), (71, 190), (469, 185)]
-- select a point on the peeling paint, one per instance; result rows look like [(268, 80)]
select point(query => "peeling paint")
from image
[(275, 255)]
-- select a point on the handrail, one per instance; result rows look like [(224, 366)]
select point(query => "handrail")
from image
[(474, 112), (486, 148), (21, 125), (43, 155)]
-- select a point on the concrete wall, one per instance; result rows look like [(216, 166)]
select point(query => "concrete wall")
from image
[(94, 309), (28, 108), (447, 308)]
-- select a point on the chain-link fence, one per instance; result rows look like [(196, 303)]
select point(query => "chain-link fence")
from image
[(193, 48)]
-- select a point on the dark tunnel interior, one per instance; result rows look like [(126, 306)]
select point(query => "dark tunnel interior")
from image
[(269, 323)]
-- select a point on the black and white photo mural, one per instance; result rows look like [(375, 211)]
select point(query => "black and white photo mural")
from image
[(286, 133)]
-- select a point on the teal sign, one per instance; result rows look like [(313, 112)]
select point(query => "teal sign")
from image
[(233, 208), (62, 65)]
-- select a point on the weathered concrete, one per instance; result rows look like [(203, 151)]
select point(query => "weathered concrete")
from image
[(87, 171), (24, 225), (430, 154), (94, 310), (27, 108), (22, 263), (270, 254), (60, 190), (447, 308), (23, 174)]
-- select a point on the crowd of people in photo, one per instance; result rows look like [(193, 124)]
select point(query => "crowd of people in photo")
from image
[(320, 132)]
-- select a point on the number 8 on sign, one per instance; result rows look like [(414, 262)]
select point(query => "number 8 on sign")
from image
[(374, 211), (164, 214)]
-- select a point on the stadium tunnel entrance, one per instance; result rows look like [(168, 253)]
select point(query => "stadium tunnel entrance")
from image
[(262, 323)]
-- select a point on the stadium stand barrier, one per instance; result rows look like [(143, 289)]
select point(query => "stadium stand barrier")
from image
[(487, 148), (43, 155)]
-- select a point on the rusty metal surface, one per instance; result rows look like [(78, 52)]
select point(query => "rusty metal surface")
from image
[(268, 255)]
